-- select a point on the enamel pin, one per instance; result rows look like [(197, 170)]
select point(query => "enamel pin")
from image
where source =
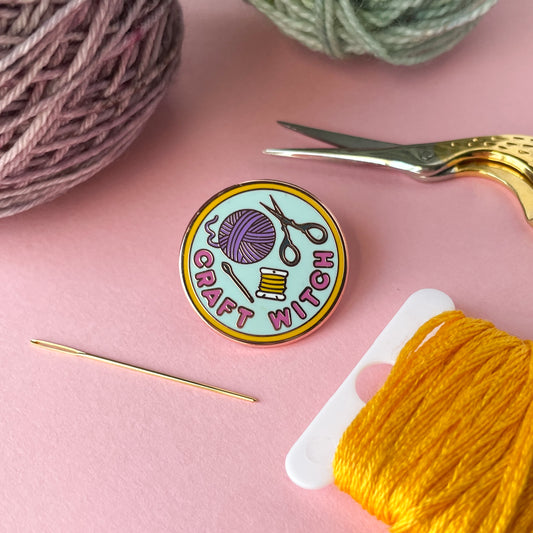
[(263, 262)]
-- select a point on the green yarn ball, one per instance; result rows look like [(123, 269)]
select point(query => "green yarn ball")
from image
[(402, 32)]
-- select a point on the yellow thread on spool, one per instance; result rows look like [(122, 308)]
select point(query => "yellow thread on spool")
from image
[(273, 284), (446, 445)]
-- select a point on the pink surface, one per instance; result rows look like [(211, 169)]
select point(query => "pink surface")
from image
[(88, 447)]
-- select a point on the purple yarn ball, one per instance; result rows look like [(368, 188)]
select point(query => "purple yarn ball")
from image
[(246, 236)]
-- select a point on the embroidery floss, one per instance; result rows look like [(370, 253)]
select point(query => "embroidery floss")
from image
[(446, 445)]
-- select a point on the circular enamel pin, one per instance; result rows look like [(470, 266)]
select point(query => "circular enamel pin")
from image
[(263, 262)]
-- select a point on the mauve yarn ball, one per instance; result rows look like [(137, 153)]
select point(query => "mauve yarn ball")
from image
[(78, 80)]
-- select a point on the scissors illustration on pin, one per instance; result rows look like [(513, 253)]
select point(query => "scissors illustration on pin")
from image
[(320, 235)]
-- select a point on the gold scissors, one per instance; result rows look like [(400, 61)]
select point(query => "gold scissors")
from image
[(306, 228), (505, 158)]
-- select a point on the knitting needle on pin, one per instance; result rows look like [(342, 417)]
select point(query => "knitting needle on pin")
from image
[(74, 351)]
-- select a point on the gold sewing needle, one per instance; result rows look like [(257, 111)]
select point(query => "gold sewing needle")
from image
[(74, 351)]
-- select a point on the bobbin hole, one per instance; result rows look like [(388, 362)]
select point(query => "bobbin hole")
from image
[(371, 379)]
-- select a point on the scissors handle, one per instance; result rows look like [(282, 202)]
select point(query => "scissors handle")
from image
[(287, 244), (309, 227)]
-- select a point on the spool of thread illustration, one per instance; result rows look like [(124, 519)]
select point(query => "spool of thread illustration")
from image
[(273, 284), (245, 236)]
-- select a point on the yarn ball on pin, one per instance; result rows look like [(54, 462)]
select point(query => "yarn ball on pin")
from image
[(78, 80), (246, 236), (402, 32)]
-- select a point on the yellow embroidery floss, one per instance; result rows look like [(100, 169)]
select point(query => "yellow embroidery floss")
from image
[(446, 445)]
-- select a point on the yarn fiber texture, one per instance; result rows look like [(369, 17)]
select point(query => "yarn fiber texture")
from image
[(402, 32), (446, 446), (245, 236), (78, 79)]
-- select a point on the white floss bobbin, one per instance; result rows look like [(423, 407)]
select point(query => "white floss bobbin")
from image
[(309, 462)]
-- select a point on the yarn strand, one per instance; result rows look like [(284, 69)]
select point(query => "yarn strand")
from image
[(446, 445)]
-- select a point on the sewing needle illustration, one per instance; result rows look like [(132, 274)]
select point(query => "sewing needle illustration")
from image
[(226, 267), (74, 351)]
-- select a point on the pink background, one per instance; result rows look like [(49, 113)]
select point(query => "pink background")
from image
[(88, 447)]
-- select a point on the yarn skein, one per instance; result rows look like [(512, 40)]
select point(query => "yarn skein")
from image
[(78, 80), (402, 32), (447, 444), (245, 236)]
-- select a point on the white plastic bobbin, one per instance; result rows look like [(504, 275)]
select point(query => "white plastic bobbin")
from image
[(309, 463)]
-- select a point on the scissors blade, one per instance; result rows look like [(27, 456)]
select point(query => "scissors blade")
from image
[(396, 157), (340, 140), (275, 210), (272, 211)]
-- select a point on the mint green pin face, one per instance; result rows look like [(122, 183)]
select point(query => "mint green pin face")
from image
[(263, 262)]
